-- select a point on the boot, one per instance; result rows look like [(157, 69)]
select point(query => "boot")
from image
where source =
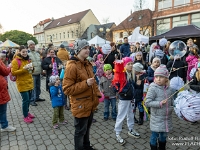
[(162, 145), (153, 147), (141, 118), (135, 120)]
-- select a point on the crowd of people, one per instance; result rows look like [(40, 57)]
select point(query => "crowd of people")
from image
[(87, 75)]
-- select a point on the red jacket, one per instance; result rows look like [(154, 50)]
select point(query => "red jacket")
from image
[(4, 95)]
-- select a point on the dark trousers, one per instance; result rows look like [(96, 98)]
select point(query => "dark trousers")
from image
[(82, 131)]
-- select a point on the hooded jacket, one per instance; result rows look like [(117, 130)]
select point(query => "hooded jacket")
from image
[(83, 98), (4, 95), (161, 115), (24, 79), (63, 54)]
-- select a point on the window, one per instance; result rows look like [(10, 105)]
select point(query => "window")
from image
[(64, 35), (68, 34), (76, 33), (69, 20), (130, 19), (140, 17), (92, 35), (180, 21), (121, 35), (181, 2), (56, 35), (196, 1), (195, 19), (163, 4), (163, 26), (58, 23), (72, 34), (60, 36)]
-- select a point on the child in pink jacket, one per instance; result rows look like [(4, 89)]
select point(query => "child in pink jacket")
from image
[(192, 59), (99, 63)]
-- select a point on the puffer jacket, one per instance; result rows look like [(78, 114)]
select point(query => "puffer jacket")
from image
[(150, 74), (57, 96), (63, 54), (191, 60), (83, 98), (161, 115), (36, 61), (105, 85), (24, 77), (4, 95)]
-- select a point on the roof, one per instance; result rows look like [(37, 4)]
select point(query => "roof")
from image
[(181, 32), (43, 22), (138, 18), (74, 18), (107, 25)]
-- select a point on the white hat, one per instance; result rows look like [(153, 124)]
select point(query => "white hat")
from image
[(138, 67), (29, 42)]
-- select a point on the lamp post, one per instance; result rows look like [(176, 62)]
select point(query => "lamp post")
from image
[(104, 32)]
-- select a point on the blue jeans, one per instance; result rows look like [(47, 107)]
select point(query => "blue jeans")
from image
[(139, 105), (107, 103), (155, 135), (26, 97), (36, 91), (3, 116)]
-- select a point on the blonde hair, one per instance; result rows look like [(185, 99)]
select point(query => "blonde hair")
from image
[(198, 75)]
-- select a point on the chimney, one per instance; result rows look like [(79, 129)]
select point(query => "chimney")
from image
[(131, 11)]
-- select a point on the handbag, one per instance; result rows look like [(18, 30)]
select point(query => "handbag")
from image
[(146, 86)]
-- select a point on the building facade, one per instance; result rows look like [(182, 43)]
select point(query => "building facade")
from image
[(173, 13), (39, 32), (70, 27), (141, 18)]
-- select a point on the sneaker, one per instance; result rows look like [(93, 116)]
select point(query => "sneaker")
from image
[(64, 122), (28, 120), (193, 123), (8, 129), (133, 133), (56, 126), (31, 115), (120, 140), (94, 120)]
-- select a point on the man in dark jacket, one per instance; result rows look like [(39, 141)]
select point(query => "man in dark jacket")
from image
[(125, 48)]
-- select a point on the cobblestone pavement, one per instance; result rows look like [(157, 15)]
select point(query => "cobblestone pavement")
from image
[(40, 135)]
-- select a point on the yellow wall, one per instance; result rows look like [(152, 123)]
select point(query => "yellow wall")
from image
[(87, 20)]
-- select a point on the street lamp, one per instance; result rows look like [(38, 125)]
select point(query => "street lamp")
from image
[(104, 32)]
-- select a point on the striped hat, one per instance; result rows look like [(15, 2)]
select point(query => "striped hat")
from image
[(162, 71)]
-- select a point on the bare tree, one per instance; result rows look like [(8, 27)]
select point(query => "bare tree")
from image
[(106, 20), (78, 30)]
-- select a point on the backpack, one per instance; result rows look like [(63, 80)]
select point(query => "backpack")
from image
[(14, 78)]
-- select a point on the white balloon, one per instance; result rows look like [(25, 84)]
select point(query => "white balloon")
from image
[(163, 42), (106, 48)]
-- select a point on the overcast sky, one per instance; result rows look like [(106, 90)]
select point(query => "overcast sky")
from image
[(24, 14)]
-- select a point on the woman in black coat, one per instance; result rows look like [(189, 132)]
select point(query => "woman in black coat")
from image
[(48, 65), (112, 56)]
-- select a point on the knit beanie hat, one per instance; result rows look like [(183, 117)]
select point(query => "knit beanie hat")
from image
[(161, 71), (126, 60), (156, 59), (53, 78), (79, 45), (62, 46), (159, 53), (107, 67), (29, 42), (99, 56), (138, 67)]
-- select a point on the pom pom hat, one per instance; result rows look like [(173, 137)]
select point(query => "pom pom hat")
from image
[(126, 60), (107, 67), (162, 71)]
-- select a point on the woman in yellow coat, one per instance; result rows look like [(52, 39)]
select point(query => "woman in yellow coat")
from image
[(22, 69)]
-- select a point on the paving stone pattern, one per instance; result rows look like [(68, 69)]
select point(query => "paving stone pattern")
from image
[(41, 136)]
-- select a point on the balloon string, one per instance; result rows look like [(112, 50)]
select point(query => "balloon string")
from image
[(101, 65), (179, 89), (182, 68)]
